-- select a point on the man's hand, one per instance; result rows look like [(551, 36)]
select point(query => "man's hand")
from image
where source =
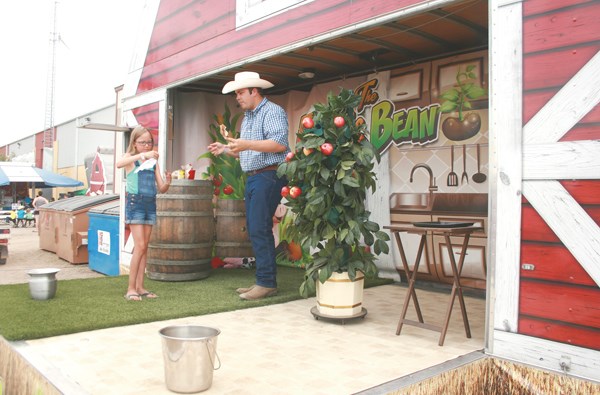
[(237, 145), (216, 148)]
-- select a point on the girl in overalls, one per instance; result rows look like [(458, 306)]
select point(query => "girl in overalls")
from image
[(143, 181)]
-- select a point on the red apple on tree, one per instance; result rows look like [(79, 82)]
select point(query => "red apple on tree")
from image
[(295, 192), (308, 123), (285, 191), (217, 180), (326, 149), (228, 190), (339, 121), (289, 156), (307, 151), (217, 191)]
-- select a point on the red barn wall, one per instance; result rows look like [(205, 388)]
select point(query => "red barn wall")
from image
[(190, 39), (558, 299)]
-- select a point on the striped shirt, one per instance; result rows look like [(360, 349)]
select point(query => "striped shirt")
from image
[(267, 121)]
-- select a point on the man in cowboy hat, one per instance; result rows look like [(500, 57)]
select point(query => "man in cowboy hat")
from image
[(262, 146)]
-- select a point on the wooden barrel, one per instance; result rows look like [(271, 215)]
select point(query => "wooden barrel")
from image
[(232, 238), (182, 241)]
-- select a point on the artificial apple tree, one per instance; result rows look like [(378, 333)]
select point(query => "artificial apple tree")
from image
[(332, 169)]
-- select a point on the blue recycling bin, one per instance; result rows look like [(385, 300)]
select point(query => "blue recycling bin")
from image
[(103, 238)]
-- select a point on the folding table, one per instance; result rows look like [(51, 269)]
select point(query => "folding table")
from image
[(446, 230)]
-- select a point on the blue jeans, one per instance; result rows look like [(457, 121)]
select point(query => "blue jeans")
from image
[(263, 194)]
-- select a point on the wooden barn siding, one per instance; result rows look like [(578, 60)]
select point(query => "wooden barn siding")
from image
[(177, 29), (561, 332), (559, 301), (181, 50), (147, 116), (558, 44)]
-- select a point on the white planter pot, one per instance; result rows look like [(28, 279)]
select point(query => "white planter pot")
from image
[(339, 296)]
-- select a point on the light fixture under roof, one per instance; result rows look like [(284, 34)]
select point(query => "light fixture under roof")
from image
[(307, 74)]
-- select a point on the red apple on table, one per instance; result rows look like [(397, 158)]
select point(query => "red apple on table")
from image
[(295, 192), (326, 149), (339, 121), (285, 191)]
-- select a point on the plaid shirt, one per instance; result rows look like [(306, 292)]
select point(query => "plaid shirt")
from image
[(267, 121)]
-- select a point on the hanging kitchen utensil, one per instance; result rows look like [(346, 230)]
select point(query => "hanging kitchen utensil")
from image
[(464, 177), (479, 177), (452, 176)]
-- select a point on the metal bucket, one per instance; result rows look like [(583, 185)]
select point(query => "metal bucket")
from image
[(189, 354), (42, 283)]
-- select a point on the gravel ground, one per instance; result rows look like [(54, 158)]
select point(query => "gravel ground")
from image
[(24, 254)]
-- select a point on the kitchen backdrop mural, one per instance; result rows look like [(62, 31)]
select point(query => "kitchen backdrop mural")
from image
[(436, 114)]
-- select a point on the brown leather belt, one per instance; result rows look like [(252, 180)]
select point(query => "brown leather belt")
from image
[(268, 168)]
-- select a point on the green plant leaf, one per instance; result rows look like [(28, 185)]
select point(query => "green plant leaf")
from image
[(450, 94), (448, 106), (347, 164), (475, 92), (350, 181), (371, 226)]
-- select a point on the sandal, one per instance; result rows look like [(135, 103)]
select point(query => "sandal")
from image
[(133, 297), (149, 295)]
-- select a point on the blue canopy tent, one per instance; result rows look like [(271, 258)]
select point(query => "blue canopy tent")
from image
[(3, 178), (38, 178)]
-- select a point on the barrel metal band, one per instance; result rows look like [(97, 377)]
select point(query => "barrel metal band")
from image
[(184, 214), (187, 197), (179, 246), (232, 244), (152, 261), (231, 214)]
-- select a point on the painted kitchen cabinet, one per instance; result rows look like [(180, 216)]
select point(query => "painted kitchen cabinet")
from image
[(435, 264), (474, 269), (410, 242)]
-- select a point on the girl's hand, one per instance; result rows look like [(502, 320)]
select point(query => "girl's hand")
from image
[(150, 154)]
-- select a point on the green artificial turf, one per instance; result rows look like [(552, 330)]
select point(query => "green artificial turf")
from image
[(89, 304)]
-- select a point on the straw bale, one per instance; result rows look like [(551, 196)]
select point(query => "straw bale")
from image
[(494, 376), (17, 376)]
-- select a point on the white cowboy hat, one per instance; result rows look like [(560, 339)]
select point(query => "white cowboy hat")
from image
[(246, 79)]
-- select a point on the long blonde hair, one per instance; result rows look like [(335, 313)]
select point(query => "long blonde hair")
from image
[(135, 134)]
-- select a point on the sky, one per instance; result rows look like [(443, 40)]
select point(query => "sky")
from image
[(97, 39)]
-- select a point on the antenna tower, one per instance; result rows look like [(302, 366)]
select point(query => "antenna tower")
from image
[(50, 80)]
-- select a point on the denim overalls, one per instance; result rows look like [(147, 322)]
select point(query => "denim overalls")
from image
[(141, 196)]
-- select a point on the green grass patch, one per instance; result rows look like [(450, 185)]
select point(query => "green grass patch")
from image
[(97, 303)]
